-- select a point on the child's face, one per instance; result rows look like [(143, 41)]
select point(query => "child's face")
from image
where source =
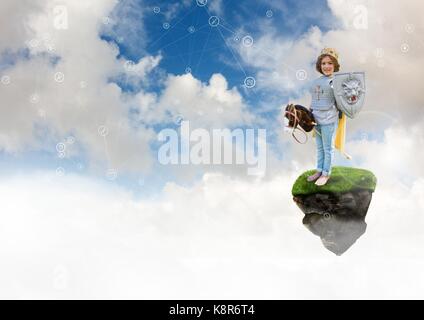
[(327, 66)]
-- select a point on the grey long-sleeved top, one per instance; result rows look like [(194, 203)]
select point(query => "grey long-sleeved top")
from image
[(323, 104)]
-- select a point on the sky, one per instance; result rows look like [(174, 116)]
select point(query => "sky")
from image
[(90, 211)]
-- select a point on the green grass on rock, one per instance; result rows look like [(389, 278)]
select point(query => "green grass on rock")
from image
[(342, 179)]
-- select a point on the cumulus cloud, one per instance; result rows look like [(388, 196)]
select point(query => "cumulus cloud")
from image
[(64, 88), (171, 10), (125, 24), (205, 105), (14, 34), (223, 236), (248, 243), (213, 105), (136, 74), (215, 6)]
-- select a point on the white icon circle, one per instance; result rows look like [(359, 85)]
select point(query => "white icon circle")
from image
[(301, 74), (103, 131), (201, 3), (213, 21), (59, 77), (249, 82), (247, 41), (404, 47)]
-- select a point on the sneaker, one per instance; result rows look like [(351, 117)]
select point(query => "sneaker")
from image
[(322, 180), (315, 176)]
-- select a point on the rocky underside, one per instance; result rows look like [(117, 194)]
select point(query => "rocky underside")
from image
[(352, 203)]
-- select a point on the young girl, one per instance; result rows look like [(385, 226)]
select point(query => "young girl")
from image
[(323, 107)]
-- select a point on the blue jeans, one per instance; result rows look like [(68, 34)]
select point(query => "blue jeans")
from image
[(325, 138)]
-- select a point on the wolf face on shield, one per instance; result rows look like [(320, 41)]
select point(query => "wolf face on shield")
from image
[(352, 90)]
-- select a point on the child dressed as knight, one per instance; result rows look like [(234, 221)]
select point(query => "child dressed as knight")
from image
[(326, 114)]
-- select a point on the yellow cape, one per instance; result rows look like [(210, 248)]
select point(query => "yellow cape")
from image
[(339, 143)]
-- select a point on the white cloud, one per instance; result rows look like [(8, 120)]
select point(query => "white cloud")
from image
[(215, 6), (136, 74), (171, 10), (79, 103), (125, 24), (208, 106), (13, 35), (205, 105), (70, 237), (86, 100)]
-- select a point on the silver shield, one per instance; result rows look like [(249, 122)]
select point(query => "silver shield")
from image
[(349, 91)]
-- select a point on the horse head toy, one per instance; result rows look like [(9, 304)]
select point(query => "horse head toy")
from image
[(299, 116)]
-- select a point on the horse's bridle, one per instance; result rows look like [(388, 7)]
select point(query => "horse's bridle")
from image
[(293, 112)]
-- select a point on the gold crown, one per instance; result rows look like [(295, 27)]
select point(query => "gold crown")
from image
[(330, 51)]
